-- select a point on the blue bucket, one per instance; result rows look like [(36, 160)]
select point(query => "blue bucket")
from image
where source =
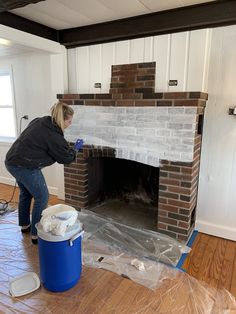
[(60, 258)]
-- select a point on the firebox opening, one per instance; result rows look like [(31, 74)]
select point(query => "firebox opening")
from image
[(124, 190)]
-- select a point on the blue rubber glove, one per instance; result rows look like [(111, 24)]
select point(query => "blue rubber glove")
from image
[(79, 144)]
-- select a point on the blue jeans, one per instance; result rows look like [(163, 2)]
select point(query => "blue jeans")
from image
[(32, 185)]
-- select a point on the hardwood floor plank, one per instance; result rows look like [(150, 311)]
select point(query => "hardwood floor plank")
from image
[(233, 280), (194, 260), (212, 260), (218, 258), (226, 273), (111, 306)]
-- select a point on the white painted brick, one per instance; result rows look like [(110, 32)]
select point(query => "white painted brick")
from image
[(125, 154), (163, 118), (187, 141), (181, 148), (134, 138), (143, 134), (106, 116), (136, 110), (132, 155), (125, 131), (189, 134), (145, 118), (186, 157), (175, 110), (154, 140), (189, 127), (119, 153), (161, 110), (173, 156), (174, 140), (164, 133), (124, 143), (192, 110), (183, 118), (146, 131), (153, 124), (175, 126)]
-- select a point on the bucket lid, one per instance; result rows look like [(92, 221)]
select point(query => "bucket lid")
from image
[(24, 284), (48, 236)]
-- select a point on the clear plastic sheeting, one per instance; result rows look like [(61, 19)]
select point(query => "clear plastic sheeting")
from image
[(151, 275), (140, 243), (100, 291)]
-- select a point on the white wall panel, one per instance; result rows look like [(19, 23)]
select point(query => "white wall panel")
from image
[(161, 54), (205, 78), (180, 56), (72, 70), (198, 42), (216, 212), (83, 68), (107, 62), (137, 50), (148, 49), (37, 79), (95, 67), (178, 60), (122, 54)]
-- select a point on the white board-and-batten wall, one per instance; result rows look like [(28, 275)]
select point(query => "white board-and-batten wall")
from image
[(181, 56), (39, 73), (196, 59), (201, 60)]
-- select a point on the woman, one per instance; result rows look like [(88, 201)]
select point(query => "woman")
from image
[(41, 144)]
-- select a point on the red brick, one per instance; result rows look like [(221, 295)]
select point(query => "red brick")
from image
[(179, 203)]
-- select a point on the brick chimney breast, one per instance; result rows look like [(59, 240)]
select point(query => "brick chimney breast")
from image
[(134, 122)]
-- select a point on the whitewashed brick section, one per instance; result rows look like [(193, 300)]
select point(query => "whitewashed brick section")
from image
[(143, 134)]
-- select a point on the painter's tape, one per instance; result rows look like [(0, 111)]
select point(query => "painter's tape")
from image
[(184, 255)]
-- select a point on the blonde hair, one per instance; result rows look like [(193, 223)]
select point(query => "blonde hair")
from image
[(61, 112)]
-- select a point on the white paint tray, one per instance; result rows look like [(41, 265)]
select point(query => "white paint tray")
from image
[(24, 284)]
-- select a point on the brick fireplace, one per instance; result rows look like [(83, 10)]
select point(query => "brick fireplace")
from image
[(133, 123)]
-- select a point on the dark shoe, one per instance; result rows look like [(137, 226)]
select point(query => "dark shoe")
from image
[(26, 230), (34, 240)]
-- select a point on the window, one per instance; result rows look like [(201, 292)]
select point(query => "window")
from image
[(7, 110)]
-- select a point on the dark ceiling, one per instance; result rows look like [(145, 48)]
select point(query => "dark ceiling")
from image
[(205, 15), (6, 5)]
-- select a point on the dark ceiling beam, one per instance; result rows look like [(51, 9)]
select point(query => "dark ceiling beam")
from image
[(25, 25), (6, 5), (212, 14)]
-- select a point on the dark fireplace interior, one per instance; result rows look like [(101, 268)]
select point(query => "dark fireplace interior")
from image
[(124, 190)]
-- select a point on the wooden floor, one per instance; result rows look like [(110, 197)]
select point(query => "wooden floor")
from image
[(211, 260)]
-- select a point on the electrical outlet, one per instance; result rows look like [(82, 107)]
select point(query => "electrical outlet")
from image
[(173, 82), (97, 85)]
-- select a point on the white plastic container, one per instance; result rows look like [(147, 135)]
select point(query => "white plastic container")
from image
[(24, 284)]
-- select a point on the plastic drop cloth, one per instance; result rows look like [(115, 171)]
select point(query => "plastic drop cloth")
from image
[(100, 291), (136, 242)]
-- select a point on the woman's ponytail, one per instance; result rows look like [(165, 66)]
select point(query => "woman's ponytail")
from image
[(61, 112)]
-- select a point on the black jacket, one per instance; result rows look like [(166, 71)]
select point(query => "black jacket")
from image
[(41, 144)]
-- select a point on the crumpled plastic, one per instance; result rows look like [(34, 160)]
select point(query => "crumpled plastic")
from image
[(56, 219), (136, 242), (100, 291)]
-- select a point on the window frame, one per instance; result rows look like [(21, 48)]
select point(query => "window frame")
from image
[(7, 70)]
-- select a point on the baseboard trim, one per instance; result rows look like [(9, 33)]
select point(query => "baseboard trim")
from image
[(52, 190), (216, 230), (9, 181)]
